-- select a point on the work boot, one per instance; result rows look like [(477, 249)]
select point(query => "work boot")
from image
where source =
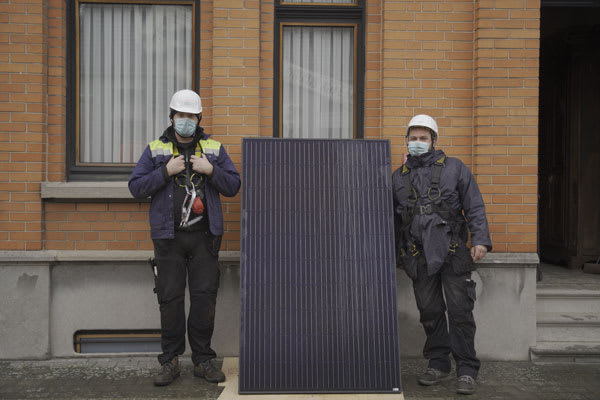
[(432, 376), (209, 372), (465, 385), (169, 371)]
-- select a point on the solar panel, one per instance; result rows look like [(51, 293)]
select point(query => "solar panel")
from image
[(318, 283)]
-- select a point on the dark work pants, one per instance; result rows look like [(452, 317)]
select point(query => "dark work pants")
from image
[(191, 255), (457, 334)]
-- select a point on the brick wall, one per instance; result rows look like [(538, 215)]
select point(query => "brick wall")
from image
[(471, 65), (23, 122), (97, 226), (506, 119)]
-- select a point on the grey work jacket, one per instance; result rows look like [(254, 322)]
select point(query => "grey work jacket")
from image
[(460, 192)]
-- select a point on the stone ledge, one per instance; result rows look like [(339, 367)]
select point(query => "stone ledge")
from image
[(72, 191), (509, 260), (492, 260), (59, 256)]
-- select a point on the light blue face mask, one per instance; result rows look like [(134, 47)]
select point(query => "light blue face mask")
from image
[(185, 127), (417, 148)]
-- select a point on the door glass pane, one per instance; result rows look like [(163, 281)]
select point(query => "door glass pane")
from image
[(317, 82), (132, 59)]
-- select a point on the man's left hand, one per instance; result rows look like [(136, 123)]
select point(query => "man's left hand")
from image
[(201, 165), (478, 252)]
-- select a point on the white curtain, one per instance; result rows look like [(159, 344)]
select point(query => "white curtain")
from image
[(318, 82), (319, 1), (132, 59)]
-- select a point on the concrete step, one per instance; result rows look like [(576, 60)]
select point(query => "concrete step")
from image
[(568, 327), (560, 299), (570, 352)]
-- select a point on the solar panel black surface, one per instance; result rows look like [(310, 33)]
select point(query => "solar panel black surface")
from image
[(318, 270)]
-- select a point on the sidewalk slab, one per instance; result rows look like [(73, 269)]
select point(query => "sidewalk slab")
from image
[(131, 378)]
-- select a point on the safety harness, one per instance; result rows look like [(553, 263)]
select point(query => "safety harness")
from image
[(194, 189), (437, 205)]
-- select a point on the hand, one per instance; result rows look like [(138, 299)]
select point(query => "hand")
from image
[(202, 165), (175, 165), (478, 252)]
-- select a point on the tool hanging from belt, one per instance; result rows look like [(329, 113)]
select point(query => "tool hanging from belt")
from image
[(194, 196)]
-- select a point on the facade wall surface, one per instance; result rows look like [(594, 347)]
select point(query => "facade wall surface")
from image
[(473, 65)]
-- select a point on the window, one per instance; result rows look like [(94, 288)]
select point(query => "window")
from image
[(128, 59), (319, 69), (107, 341)]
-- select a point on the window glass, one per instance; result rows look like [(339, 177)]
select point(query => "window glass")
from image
[(132, 58), (317, 82)]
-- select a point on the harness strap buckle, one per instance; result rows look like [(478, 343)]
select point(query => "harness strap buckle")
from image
[(426, 209), (413, 250), (453, 247)]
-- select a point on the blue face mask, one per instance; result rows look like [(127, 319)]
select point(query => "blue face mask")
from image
[(417, 148), (185, 127)]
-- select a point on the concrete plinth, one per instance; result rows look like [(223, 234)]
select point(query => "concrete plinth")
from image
[(24, 308), (48, 296)]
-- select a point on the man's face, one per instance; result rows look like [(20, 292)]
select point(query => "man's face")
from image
[(193, 117), (421, 135)]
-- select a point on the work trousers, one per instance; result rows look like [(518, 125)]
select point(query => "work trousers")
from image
[(456, 334), (193, 255)]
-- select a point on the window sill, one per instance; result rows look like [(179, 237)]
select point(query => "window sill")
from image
[(73, 191)]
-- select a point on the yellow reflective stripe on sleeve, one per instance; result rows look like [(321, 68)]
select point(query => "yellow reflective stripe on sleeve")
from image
[(209, 146), (158, 148)]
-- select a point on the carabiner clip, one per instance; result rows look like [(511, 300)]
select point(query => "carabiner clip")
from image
[(186, 207)]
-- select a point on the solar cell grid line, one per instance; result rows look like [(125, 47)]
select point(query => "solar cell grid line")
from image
[(318, 271)]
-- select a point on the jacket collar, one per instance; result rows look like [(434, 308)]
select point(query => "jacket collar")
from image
[(424, 160), (169, 135)]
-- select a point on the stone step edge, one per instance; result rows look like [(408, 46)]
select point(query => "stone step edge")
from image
[(567, 293), (567, 318), (566, 348)]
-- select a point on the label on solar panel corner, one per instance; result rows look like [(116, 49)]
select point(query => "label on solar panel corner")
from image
[(318, 287)]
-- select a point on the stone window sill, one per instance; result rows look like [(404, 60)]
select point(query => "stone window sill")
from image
[(73, 191)]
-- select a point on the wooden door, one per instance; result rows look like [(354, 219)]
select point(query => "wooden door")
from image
[(569, 156)]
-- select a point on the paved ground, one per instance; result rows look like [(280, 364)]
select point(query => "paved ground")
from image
[(130, 378)]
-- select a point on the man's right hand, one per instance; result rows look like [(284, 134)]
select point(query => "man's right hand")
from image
[(176, 165)]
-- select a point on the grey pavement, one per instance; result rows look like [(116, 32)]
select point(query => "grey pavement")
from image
[(131, 378)]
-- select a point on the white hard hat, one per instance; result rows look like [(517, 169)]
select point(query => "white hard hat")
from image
[(186, 101), (423, 121)]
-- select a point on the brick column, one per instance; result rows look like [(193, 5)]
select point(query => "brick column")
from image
[(373, 70), (236, 89), (23, 129), (506, 119), (57, 90)]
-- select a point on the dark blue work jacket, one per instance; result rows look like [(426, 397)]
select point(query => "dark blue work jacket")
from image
[(149, 180)]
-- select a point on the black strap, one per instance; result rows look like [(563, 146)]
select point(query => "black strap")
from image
[(408, 213), (434, 192)]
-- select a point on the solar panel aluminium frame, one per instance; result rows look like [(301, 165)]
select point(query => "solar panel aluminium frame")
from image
[(318, 287)]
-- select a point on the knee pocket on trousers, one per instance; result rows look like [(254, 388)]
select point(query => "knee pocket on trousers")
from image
[(469, 298), (462, 318)]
